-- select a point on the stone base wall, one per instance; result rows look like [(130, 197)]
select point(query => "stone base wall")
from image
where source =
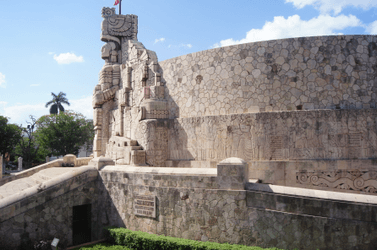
[(245, 217), (192, 207), (298, 135), (48, 214)]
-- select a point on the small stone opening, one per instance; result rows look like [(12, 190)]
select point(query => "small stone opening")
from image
[(299, 107), (337, 106), (81, 224)]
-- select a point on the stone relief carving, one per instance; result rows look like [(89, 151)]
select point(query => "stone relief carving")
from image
[(274, 136), (356, 180), (129, 90)]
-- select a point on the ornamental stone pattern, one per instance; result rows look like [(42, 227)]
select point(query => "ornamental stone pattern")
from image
[(326, 72)]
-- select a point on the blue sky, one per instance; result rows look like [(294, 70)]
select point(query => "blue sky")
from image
[(51, 46)]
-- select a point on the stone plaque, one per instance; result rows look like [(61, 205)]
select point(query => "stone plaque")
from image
[(355, 140), (145, 205), (54, 243)]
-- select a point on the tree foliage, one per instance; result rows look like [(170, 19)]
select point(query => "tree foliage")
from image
[(10, 135), (28, 147), (65, 133), (56, 103)]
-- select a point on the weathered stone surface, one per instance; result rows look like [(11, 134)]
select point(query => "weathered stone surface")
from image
[(47, 212), (309, 135), (232, 174), (69, 160), (308, 60), (100, 162), (243, 217)]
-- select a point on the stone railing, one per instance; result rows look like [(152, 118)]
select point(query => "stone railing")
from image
[(82, 161), (31, 171), (68, 160), (67, 182), (361, 181)]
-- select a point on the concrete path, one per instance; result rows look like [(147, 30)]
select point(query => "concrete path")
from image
[(16, 186)]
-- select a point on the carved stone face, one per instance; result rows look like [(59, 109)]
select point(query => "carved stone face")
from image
[(106, 51)]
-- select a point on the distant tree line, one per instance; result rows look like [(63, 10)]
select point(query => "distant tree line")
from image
[(57, 134), (50, 135)]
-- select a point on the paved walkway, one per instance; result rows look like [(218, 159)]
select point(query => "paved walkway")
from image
[(16, 186)]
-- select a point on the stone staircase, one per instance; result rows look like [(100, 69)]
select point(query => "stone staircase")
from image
[(125, 151)]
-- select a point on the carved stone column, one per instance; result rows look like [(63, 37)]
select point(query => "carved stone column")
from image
[(1, 165), (19, 163)]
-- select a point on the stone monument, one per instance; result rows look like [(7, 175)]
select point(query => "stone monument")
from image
[(1, 165), (290, 125), (129, 100), (19, 163)]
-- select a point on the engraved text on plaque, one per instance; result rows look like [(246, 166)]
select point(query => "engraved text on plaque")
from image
[(145, 205)]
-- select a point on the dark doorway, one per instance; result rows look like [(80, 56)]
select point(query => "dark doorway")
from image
[(81, 224)]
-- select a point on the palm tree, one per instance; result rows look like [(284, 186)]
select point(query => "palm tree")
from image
[(56, 102)]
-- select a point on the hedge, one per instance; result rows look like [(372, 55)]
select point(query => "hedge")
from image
[(138, 240), (103, 246)]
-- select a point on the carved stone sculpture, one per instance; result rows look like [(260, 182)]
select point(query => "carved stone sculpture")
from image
[(130, 90)]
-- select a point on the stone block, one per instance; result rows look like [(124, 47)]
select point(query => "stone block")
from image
[(100, 162), (138, 157), (69, 160), (232, 174)]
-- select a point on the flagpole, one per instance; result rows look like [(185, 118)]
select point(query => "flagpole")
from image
[(120, 7)]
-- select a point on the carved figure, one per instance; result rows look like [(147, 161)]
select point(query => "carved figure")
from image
[(129, 90)]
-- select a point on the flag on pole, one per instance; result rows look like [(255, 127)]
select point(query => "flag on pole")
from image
[(116, 2)]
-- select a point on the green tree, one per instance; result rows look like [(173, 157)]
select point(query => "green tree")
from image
[(28, 147), (10, 135), (57, 102), (65, 133)]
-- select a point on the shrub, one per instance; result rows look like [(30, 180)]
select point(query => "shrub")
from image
[(103, 246), (140, 241)]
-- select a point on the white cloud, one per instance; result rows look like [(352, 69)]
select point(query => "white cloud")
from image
[(185, 45), (83, 106), (182, 45), (159, 40), (293, 26), (35, 85), (67, 58), (19, 113), (372, 28), (2, 80), (326, 6)]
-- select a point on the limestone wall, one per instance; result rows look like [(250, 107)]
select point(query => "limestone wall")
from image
[(298, 135), (325, 72), (186, 209), (47, 213)]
